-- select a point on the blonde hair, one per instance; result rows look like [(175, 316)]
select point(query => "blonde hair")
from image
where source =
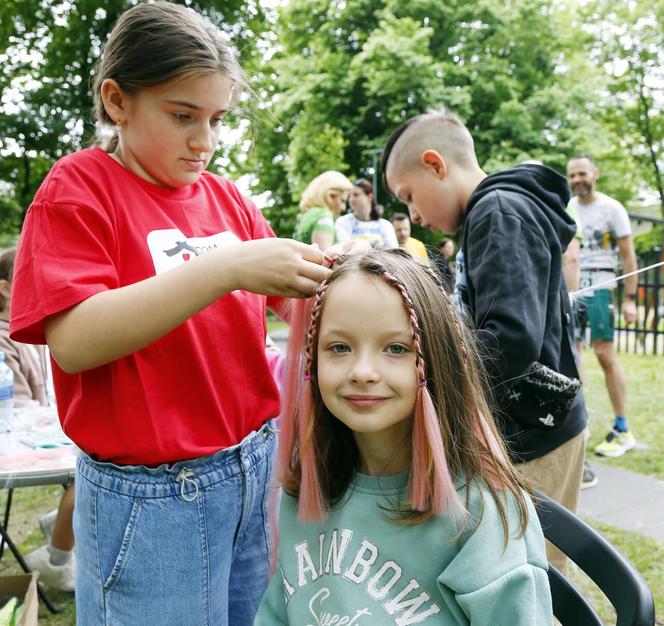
[(318, 190)]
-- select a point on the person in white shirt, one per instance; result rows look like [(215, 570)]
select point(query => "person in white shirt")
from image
[(365, 222), (606, 232)]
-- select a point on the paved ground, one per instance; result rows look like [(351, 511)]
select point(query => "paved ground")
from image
[(621, 498), (626, 500)]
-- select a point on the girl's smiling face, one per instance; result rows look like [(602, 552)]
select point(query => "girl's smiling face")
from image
[(366, 367), (170, 132)]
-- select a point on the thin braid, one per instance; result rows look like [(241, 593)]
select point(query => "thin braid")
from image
[(434, 276), (397, 284), (431, 486), (312, 329)]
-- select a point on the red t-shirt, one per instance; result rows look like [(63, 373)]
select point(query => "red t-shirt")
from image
[(94, 225)]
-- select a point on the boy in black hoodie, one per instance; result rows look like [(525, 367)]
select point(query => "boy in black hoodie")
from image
[(509, 283)]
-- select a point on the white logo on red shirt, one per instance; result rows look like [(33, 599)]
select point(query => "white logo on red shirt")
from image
[(170, 248)]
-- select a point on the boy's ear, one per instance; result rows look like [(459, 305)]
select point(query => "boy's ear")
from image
[(114, 99), (432, 159)]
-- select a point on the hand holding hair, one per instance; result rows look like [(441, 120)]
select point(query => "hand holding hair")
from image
[(279, 267)]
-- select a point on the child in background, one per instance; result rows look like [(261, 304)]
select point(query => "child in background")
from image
[(147, 276), (27, 362), (364, 221), (55, 560), (400, 504)]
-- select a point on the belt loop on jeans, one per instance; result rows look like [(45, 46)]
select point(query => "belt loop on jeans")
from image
[(185, 476)]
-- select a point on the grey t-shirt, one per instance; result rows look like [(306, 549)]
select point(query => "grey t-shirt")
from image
[(603, 221)]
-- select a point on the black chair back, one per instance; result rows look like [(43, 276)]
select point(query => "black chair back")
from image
[(617, 578)]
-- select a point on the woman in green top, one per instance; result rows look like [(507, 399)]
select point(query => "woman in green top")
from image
[(322, 202)]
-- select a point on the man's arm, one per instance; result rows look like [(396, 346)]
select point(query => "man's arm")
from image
[(626, 248), (571, 265)]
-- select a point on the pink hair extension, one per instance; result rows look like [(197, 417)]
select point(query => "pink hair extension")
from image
[(297, 413), (485, 434), (311, 505), (288, 435), (497, 454), (431, 483)]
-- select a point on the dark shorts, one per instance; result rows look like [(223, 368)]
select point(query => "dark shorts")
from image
[(596, 309)]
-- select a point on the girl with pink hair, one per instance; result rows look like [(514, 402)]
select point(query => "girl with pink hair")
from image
[(400, 504)]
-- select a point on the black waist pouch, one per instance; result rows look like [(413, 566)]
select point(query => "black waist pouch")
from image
[(542, 398)]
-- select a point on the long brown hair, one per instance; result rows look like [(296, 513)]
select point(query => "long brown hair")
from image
[(318, 455), (153, 44)]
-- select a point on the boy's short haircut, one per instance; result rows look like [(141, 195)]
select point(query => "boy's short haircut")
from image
[(437, 129), (398, 217)]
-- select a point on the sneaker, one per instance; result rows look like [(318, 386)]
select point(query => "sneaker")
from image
[(589, 478), (616, 444), (47, 524), (57, 576)]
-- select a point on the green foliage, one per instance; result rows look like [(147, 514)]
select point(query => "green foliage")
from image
[(653, 238), (346, 74), (48, 49), (622, 46), (533, 79)]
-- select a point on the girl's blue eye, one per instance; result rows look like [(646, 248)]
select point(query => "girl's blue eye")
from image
[(181, 117), (339, 348), (217, 121), (396, 348)]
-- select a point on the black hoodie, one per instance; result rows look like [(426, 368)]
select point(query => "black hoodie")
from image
[(514, 233)]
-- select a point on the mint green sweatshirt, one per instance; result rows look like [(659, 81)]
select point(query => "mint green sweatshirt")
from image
[(360, 569)]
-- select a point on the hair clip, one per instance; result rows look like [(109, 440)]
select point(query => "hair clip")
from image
[(307, 377), (422, 383)]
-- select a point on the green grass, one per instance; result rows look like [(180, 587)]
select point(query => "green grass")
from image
[(645, 410), (27, 506), (646, 417), (647, 555)]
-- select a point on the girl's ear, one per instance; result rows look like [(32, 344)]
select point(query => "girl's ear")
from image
[(5, 288), (114, 99)]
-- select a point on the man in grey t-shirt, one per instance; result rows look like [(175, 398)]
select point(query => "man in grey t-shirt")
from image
[(606, 232)]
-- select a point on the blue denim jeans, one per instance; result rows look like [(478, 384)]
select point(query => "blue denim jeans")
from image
[(186, 544)]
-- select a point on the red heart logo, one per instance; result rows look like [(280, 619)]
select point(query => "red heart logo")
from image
[(185, 256)]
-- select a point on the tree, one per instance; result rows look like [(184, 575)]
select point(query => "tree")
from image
[(346, 73), (630, 46)]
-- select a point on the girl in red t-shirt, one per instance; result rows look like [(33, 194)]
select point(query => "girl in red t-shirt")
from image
[(147, 276)]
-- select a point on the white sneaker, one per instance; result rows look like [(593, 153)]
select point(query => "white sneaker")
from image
[(47, 524), (57, 576)]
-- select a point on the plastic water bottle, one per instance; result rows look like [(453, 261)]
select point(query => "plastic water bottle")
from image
[(6, 405)]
